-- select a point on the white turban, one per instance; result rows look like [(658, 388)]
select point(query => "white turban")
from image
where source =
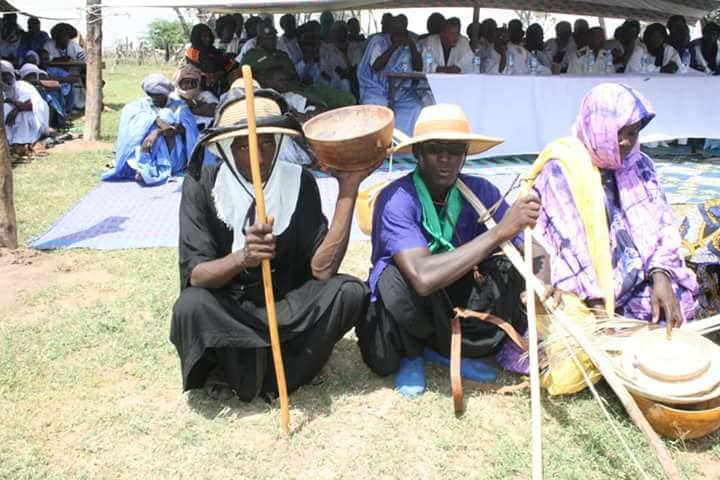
[(30, 69), (7, 67), (157, 84)]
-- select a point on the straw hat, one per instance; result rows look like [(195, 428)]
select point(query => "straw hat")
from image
[(680, 369), (446, 122), (269, 116), (231, 120)]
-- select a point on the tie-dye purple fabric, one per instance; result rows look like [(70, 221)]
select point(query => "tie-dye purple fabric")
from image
[(646, 215)]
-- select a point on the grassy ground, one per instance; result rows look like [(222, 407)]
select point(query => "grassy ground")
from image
[(90, 385)]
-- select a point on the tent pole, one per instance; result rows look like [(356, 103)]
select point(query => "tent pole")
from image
[(475, 40)]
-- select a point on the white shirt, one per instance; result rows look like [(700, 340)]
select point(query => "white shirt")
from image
[(356, 50), (551, 49), (461, 55), (73, 50), (291, 47), (516, 62), (597, 66), (635, 63), (232, 47), (247, 46), (700, 59), (331, 58)]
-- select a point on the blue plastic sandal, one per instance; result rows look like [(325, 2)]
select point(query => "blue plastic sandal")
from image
[(410, 379), (470, 368)]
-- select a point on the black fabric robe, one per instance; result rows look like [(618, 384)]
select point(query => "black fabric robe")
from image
[(228, 326)]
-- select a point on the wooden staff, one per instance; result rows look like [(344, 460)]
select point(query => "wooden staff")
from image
[(601, 361), (266, 272), (535, 407)]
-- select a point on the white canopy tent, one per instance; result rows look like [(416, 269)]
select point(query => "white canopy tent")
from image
[(640, 9)]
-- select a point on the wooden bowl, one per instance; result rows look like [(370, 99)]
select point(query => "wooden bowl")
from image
[(688, 423), (351, 139)]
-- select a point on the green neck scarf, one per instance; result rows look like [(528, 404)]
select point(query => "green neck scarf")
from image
[(441, 231)]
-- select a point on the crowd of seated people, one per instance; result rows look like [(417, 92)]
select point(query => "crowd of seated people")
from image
[(327, 64), (40, 92)]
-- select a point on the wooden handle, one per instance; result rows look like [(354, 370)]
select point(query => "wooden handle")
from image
[(266, 271), (535, 407), (601, 361)]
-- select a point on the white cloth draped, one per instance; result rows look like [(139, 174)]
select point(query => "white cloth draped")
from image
[(29, 126), (579, 62), (232, 200), (545, 107), (461, 55), (73, 50)]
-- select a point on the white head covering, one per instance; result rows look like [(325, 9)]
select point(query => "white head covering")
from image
[(31, 54), (7, 67), (157, 84), (234, 195), (30, 69), (188, 71)]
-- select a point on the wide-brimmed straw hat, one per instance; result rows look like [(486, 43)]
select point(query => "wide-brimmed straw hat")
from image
[(446, 122), (682, 369), (231, 120)]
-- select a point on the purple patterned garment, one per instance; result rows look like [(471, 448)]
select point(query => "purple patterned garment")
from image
[(640, 220)]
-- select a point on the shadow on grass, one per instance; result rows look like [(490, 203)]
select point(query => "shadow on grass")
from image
[(345, 375)]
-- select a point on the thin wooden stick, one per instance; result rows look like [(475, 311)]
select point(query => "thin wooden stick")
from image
[(266, 271), (601, 361), (535, 406)]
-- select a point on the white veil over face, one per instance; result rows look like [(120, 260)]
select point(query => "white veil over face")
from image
[(234, 194)]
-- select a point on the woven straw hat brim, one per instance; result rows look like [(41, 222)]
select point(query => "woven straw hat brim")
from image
[(243, 132), (476, 143), (236, 114), (706, 384)]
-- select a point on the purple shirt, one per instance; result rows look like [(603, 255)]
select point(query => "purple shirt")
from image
[(397, 221)]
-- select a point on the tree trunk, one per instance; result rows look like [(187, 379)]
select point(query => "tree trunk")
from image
[(183, 23), (8, 223), (93, 97)]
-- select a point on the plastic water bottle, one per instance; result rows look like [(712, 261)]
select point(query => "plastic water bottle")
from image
[(404, 59), (685, 66), (428, 60), (609, 63), (533, 63), (510, 63), (477, 62), (589, 61)]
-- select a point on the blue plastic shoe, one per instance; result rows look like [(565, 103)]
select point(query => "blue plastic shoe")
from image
[(410, 379), (470, 368)]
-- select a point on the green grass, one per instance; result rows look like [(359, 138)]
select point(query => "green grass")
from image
[(90, 385)]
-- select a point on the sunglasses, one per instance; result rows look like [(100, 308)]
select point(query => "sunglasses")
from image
[(451, 148)]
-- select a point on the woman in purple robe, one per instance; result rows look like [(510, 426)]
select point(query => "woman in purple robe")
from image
[(646, 278)]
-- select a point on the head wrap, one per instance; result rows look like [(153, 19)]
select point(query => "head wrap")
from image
[(7, 67), (157, 84), (188, 71), (604, 111), (31, 57), (30, 69), (234, 195)]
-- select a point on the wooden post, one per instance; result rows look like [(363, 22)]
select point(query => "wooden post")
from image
[(475, 39), (8, 222), (93, 83)]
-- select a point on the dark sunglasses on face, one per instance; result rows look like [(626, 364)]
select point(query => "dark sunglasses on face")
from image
[(451, 148)]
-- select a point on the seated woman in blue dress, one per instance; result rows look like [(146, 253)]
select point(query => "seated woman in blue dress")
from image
[(156, 135)]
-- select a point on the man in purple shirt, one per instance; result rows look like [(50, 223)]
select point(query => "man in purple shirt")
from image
[(431, 253)]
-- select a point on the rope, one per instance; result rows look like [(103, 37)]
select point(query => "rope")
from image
[(601, 402)]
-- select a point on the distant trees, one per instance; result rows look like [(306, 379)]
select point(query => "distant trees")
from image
[(166, 34)]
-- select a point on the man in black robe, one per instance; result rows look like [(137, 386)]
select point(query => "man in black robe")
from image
[(219, 323)]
